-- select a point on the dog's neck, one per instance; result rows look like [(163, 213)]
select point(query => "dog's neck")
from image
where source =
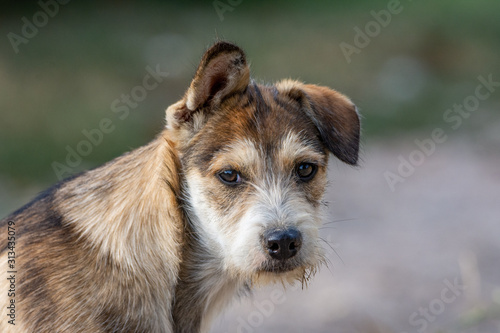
[(204, 288)]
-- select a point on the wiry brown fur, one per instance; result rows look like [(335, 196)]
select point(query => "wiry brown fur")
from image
[(153, 241), (91, 251)]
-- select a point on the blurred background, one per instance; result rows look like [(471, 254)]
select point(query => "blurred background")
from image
[(412, 235)]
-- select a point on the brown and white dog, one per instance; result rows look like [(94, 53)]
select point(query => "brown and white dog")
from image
[(161, 239)]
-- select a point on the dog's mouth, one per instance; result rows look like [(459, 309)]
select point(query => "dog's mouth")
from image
[(279, 266), (287, 271)]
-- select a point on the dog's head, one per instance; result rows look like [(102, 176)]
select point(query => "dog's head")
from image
[(254, 159)]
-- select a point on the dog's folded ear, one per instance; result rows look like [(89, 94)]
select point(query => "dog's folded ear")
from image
[(337, 120), (334, 115), (223, 71)]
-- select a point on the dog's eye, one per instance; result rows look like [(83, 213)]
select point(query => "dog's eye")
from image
[(306, 171), (230, 177)]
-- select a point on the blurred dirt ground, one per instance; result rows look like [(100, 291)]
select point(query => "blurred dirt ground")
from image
[(424, 258)]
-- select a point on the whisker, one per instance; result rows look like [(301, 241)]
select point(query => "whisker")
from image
[(324, 228), (335, 251), (327, 263), (343, 220)]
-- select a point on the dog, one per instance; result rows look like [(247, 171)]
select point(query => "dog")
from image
[(161, 239)]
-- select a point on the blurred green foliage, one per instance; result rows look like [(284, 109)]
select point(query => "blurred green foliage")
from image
[(65, 79)]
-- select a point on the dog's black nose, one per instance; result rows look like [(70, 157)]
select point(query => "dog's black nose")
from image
[(283, 244)]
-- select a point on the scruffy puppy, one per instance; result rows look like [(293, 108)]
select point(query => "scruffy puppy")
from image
[(160, 239)]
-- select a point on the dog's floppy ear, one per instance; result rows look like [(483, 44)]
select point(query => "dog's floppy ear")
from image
[(337, 120), (223, 71), (334, 115)]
